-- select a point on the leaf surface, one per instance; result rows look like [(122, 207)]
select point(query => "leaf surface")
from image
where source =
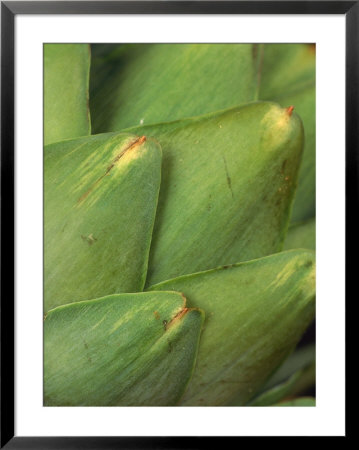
[(287, 76), (286, 69), (301, 235), (303, 378), (255, 314), (304, 202), (228, 180), (149, 83), (302, 357), (116, 350), (100, 197), (66, 91)]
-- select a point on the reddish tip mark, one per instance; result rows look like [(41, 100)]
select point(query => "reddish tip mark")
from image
[(141, 140), (177, 317), (134, 144), (290, 110), (181, 313)]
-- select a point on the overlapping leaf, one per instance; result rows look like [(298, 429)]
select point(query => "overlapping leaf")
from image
[(255, 314), (66, 91), (100, 203), (301, 358), (287, 75), (129, 349), (295, 376), (301, 235), (149, 83), (228, 180), (286, 69), (300, 380), (142, 84)]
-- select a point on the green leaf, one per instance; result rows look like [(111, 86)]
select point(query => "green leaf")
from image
[(119, 350), (277, 393), (303, 378), (294, 376), (306, 380), (149, 83), (302, 357), (255, 314), (288, 77), (302, 401), (228, 180), (304, 203), (101, 196), (66, 91), (301, 235), (286, 69)]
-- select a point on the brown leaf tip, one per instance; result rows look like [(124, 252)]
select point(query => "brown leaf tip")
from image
[(290, 110), (180, 314), (176, 318), (141, 140)]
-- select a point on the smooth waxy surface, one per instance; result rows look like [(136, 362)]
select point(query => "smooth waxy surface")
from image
[(287, 76), (118, 350), (301, 235), (228, 180), (135, 84), (255, 315), (66, 91), (100, 203)]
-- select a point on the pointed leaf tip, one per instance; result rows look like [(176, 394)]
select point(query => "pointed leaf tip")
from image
[(244, 156), (290, 110), (115, 351), (247, 306), (100, 206)]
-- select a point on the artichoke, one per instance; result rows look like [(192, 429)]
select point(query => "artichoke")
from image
[(179, 224)]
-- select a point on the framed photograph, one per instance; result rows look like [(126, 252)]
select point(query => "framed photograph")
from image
[(175, 182)]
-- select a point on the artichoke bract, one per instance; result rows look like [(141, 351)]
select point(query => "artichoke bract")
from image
[(228, 181), (146, 84), (255, 314), (301, 234), (149, 83), (288, 77), (66, 91), (127, 349), (165, 279), (100, 204)]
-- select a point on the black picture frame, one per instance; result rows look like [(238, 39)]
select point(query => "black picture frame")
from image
[(9, 9)]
